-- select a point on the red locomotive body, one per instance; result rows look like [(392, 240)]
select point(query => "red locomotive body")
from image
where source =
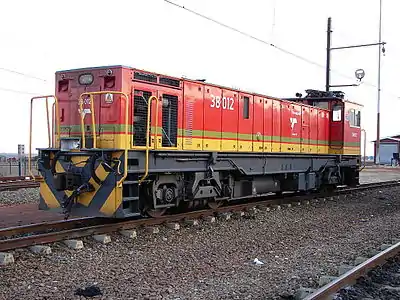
[(171, 140)]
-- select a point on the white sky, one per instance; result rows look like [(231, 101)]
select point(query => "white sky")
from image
[(40, 37)]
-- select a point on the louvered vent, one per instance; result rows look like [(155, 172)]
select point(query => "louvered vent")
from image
[(169, 81), (189, 122), (145, 77)]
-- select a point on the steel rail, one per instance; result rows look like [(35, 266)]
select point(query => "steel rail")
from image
[(351, 276), (14, 178), (15, 185), (69, 229), (48, 226)]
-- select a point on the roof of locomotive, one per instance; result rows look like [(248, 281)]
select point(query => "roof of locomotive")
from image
[(212, 84), (323, 99), (95, 68)]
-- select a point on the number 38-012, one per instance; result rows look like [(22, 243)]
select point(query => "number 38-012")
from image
[(224, 103)]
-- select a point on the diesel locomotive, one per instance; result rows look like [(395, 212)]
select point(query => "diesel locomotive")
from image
[(125, 142)]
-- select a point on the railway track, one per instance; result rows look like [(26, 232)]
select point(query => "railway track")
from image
[(17, 182), (36, 234), (349, 278)]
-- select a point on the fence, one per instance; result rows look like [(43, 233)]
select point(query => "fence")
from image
[(13, 168)]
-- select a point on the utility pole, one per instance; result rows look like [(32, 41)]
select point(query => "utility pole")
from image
[(378, 115), (358, 74), (328, 54)]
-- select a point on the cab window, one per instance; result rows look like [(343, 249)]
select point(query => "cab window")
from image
[(358, 118), (355, 118), (321, 104), (337, 113)]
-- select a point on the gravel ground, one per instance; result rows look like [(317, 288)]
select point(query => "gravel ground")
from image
[(377, 175), (21, 196), (215, 261)]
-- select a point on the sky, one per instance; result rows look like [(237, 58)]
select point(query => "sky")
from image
[(40, 37)]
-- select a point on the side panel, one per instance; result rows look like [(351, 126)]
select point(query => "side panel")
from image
[(229, 122), (291, 127), (193, 116), (268, 125), (276, 126), (305, 130), (258, 124), (313, 130), (295, 123), (212, 119), (323, 131), (245, 127), (327, 120)]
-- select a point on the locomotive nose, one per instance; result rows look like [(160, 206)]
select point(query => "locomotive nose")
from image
[(73, 180)]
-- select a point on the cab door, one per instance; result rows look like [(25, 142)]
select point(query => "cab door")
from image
[(336, 128)]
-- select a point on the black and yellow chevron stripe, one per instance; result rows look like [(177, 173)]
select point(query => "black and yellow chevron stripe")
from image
[(103, 201)]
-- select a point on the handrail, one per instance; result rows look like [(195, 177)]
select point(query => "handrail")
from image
[(83, 119), (146, 169), (48, 126), (90, 94), (365, 149), (52, 123)]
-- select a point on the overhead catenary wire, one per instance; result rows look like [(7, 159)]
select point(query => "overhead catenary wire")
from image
[(247, 35), (23, 74), (309, 61), (18, 92)]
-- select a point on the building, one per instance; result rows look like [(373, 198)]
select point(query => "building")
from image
[(388, 146)]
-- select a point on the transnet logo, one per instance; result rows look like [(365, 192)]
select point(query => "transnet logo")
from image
[(293, 121)]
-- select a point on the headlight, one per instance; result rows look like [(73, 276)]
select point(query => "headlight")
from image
[(86, 79), (70, 143)]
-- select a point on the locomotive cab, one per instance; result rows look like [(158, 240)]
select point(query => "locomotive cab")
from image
[(344, 121)]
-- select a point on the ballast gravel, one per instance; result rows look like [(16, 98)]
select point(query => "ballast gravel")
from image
[(382, 282), (21, 196), (215, 260)]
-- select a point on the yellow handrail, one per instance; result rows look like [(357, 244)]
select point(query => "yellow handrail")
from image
[(48, 126), (146, 168), (90, 94), (52, 123)]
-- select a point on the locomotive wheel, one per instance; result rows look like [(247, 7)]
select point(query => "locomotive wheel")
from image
[(156, 213), (214, 204)]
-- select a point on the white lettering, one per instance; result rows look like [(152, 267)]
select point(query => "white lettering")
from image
[(231, 102), (225, 103)]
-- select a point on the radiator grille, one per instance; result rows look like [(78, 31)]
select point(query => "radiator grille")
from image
[(140, 117)]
